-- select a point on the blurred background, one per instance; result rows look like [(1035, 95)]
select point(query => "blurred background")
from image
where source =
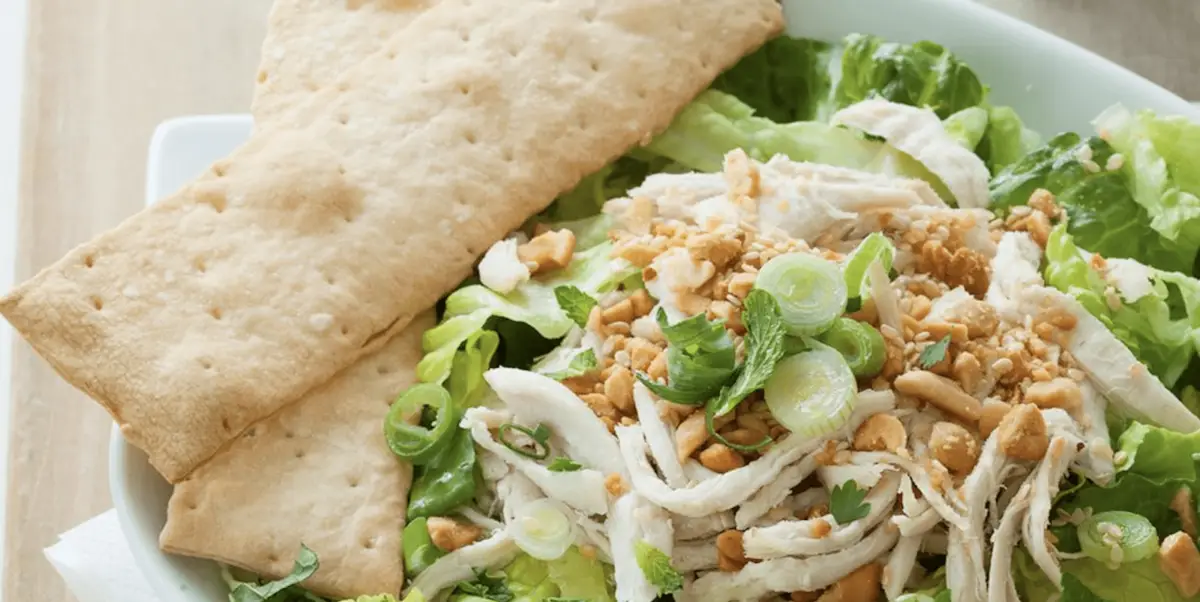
[(83, 84)]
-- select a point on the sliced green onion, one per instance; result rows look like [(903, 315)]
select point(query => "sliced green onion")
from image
[(414, 442), (875, 247), (543, 528), (812, 393), (860, 344), (1117, 537), (811, 291), (539, 435), (710, 413)]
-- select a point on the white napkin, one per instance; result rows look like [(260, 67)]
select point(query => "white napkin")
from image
[(95, 562)]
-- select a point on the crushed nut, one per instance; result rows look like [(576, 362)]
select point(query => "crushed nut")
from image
[(691, 434), (601, 406), (720, 250), (720, 458), (658, 367), (642, 303), (1060, 393), (548, 251), (641, 353), (990, 415), (741, 284), (731, 556), (1180, 562), (954, 446), (619, 389), (880, 432), (1023, 434), (725, 310), (817, 511), (863, 585), (968, 372), (620, 312), (449, 535), (820, 529), (615, 484)]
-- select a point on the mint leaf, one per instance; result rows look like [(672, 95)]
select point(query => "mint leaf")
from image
[(656, 566), (700, 360), (765, 346), (576, 303), (306, 564), (931, 355), (846, 503), (564, 464)]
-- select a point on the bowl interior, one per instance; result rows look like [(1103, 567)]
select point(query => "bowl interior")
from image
[(1054, 85)]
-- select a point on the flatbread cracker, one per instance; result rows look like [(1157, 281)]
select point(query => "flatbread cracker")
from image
[(312, 244), (310, 43), (319, 473)]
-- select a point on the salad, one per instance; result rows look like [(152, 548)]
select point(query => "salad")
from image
[(845, 331)]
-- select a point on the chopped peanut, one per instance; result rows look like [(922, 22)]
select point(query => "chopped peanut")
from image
[(658, 367), (863, 585), (639, 254), (601, 406), (744, 436), (1180, 562), (938, 330), (1023, 434), (820, 528), (941, 392), (582, 384), (741, 284), (920, 307), (621, 312), (731, 556), (1183, 506), (641, 353), (619, 389), (548, 251), (720, 458), (449, 535), (691, 434), (692, 304), (730, 314), (817, 511), (614, 483), (720, 250), (642, 303), (980, 318), (967, 371), (881, 432), (1060, 392), (954, 446), (990, 416)]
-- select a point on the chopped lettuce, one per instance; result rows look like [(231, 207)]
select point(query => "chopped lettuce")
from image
[(1157, 329), (923, 74), (1158, 454), (1006, 139), (1141, 581), (586, 199), (287, 589), (533, 303), (785, 80), (571, 576), (967, 126), (1161, 157), (566, 362)]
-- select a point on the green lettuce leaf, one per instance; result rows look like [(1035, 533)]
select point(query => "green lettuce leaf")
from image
[(1006, 140), (1129, 492), (785, 80), (578, 576), (575, 303), (586, 199), (1158, 454), (656, 566), (967, 126), (922, 74), (1140, 581), (286, 589), (533, 303)]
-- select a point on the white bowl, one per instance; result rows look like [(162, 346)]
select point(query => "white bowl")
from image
[(1054, 86)]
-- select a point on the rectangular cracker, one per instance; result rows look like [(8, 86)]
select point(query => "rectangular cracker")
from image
[(322, 236), (310, 43), (319, 473)]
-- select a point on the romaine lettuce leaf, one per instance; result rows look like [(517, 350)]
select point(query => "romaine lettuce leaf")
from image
[(586, 199), (286, 589), (785, 80), (923, 74), (967, 126), (572, 575), (1140, 581), (1163, 339), (1158, 454), (1006, 139)]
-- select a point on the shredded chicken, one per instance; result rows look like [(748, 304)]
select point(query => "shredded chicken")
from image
[(775, 492), (1063, 449), (633, 519), (461, 564), (900, 565), (699, 555), (1001, 587), (658, 436), (689, 528)]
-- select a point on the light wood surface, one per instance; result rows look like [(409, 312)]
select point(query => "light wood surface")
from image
[(102, 73)]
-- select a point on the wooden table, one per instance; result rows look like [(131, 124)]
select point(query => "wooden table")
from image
[(102, 73)]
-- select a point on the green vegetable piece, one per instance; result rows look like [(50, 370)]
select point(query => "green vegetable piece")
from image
[(581, 363), (967, 126), (812, 393), (305, 565), (811, 291), (576, 303), (414, 442), (447, 482), (539, 436), (466, 384), (765, 332), (875, 247), (1117, 537), (1158, 454), (656, 566), (1073, 590), (922, 75), (563, 464), (700, 360), (785, 80), (419, 551), (846, 503), (486, 586), (860, 344), (1006, 139), (934, 354), (1133, 582), (581, 578)]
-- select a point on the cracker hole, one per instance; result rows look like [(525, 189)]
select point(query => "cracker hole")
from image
[(391, 55), (262, 77), (589, 15), (343, 86), (507, 155), (299, 454), (369, 543), (89, 260), (343, 119), (252, 431), (218, 169), (353, 482), (98, 303), (642, 93), (381, 370), (289, 435), (199, 264), (470, 138), (225, 424), (192, 505), (464, 89), (595, 65), (312, 86), (465, 35), (215, 313), (345, 330), (330, 280), (207, 365), (272, 558), (342, 169), (216, 200)]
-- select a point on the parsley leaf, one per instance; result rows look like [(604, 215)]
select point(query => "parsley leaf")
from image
[(564, 464), (934, 353), (846, 503), (581, 363), (765, 346), (576, 303), (700, 360), (486, 586), (306, 564), (656, 566)]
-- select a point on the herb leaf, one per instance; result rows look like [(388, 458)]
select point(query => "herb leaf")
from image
[(575, 303), (539, 434), (764, 348), (486, 586), (306, 564), (564, 464), (656, 566), (581, 363), (700, 360), (931, 355), (846, 503)]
